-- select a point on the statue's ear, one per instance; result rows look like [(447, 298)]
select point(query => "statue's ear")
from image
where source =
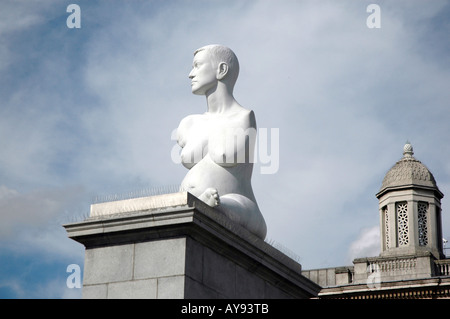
[(222, 70)]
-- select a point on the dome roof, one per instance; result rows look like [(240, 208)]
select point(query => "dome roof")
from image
[(408, 171)]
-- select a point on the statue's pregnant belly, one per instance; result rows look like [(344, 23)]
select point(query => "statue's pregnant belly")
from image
[(206, 173)]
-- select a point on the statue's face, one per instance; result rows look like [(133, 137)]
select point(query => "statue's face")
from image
[(203, 75)]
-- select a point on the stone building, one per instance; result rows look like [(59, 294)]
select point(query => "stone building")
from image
[(412, 263)]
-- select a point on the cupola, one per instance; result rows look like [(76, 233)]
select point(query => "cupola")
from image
[(410, 209)]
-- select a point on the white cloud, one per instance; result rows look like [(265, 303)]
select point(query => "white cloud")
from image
[(366, 245)]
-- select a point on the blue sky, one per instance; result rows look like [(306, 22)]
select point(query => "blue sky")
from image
[(89, 112)]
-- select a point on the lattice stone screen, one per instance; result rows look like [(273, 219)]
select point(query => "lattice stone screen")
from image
[(402, 224), (423, 223), (386, 228)]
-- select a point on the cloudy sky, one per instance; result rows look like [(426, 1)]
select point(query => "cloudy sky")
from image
[(89, 112)]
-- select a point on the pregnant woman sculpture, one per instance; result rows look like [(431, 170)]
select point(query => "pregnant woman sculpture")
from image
[(217, 146)]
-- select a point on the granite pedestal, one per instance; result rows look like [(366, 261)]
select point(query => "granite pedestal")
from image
[(175, 246)]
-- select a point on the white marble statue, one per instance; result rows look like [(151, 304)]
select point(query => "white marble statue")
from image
[(217, 146)]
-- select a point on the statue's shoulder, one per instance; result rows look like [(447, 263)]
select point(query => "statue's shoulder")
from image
[(246, 116)]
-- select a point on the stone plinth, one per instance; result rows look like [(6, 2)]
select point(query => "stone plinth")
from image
[(175, 246)]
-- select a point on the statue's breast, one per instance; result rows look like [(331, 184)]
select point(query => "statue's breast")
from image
[(193, 135)]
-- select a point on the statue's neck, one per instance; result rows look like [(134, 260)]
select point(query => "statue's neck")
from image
[(220, 100)]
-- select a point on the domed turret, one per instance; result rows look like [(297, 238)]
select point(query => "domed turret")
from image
[(410, 209)]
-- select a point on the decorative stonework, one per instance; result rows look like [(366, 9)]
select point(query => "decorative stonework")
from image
[(386, 228), (423, 223), (407, 171), (402, 222), (392, 265)]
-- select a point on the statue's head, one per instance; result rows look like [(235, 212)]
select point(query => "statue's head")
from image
[(213, 63)]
